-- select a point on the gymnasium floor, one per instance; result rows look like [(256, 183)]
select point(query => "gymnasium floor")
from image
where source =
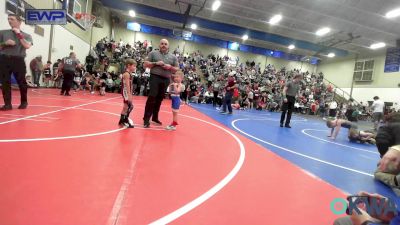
[(64, 160)]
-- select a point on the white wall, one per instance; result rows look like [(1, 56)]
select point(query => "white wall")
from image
[(384, 85), (290, 65), (105, 31), (204, 49), (40, 44), (367, 94), (339, 72), (63, 39)]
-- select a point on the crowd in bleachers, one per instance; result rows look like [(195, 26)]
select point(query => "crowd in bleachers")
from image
[(258, 88), (95, 74)]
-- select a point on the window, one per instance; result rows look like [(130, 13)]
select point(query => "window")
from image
[(364, 70)]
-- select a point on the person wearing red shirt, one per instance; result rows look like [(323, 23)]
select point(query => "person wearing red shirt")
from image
[(229, 88)]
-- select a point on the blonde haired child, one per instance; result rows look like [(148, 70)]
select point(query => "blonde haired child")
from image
[(175, 88)]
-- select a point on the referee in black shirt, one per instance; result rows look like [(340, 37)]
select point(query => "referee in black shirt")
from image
[(13, 45), (162, 65), (290, 91)]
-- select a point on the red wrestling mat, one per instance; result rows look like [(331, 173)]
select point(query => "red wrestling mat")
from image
[(64, 160)]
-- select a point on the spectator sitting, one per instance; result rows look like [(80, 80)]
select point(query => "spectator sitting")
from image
[(236, 105), (77, 81), (117, 85), (262, 103), (28, 79), (208, 97), (88, 83), (314, 107), (109, 84), (273, 106)]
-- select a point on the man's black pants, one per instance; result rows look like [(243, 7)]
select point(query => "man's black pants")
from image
[(158, 87), (67, 82), (287, 108), (13, 65), (215, 99)]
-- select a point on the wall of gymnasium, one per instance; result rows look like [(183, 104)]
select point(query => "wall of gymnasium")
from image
[(121, 33), (98, 33), (65, 37), (384, 85)]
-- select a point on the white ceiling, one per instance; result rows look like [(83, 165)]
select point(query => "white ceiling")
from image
[(301, 18)]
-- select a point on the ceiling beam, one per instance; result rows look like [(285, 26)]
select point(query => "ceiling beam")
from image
[(219, 26), (186, 15)]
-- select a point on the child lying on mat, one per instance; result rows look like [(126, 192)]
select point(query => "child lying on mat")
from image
[(362, 136)]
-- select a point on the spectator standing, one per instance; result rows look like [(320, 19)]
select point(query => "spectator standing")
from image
[(378, 108), (36, 67), (333, 108), (47, 73)]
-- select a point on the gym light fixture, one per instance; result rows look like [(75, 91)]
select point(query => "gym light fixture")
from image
[(331, 55), (393, 13), (378, 45), (216, 5), (193, 26), (323, 31), (275, 19), (132, 13)]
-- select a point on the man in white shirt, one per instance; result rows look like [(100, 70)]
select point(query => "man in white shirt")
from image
[(377, 107), (332, 108)]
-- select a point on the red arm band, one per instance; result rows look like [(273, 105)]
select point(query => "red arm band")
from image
[(20, 36)]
